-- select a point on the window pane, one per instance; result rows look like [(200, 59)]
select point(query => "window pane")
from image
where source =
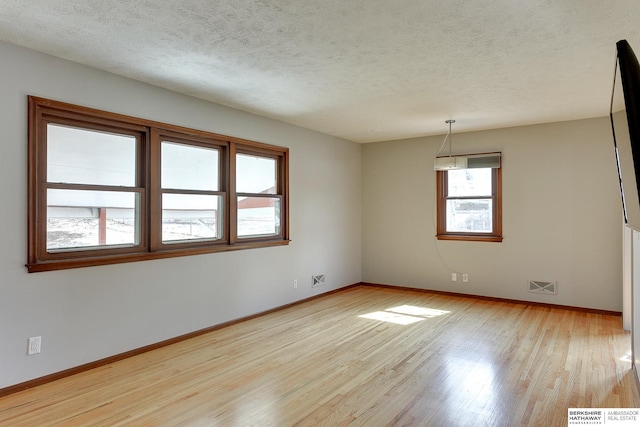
[(189, 167), (86, 219), (83, 156), (469, 182), (255, 174), (258, 216), (191, 217), (469, 215)]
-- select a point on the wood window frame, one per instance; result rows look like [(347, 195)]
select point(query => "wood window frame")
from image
[(199, 139), (281, 190), (149, 135), (496, 217)]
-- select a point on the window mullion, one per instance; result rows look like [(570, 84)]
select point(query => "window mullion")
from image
[(194, 192), (232, 202), (91, 187), (470, 198), (497, 202), (263, 195), (155, 197)]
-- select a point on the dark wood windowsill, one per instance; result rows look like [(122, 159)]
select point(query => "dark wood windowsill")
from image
[(144, 256), (470, 238)]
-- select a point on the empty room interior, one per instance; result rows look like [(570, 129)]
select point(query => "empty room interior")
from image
[(314, 213)]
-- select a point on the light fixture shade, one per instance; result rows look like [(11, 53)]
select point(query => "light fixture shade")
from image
[(449, 163), (469, 161)]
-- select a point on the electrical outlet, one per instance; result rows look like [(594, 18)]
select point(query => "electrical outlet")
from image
[(465, 277), (454, 277), (295, 283), (34, 345)]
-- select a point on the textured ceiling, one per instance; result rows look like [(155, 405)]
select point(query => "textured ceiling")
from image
[(363, 70)]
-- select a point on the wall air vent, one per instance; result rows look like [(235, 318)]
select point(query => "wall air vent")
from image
[(541, 287), (317, 280)]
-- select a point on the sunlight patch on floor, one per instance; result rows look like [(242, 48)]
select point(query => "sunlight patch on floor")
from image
[(412, 310), (404, 314), (385, 316)]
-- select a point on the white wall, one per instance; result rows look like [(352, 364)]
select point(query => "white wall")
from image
[(91, 313), (561, 211), (561, 216)]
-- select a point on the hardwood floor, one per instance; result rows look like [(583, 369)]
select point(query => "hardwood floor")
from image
[(465, 362)]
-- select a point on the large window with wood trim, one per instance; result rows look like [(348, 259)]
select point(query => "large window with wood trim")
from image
[(469, 203), (106, 188)]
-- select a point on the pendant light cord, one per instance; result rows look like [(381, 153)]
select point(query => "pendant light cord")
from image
[(445, 138)]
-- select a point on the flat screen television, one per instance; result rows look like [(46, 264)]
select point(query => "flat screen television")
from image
[(625, 122)]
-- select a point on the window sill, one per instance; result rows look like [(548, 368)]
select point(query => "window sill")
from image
[(135, 257), (470, 238)]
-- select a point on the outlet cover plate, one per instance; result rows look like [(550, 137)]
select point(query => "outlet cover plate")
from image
[(34, 345)]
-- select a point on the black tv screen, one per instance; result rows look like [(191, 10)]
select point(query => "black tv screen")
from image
[(625, 121)]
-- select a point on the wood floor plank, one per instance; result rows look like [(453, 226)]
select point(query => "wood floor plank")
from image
[(330, 361)]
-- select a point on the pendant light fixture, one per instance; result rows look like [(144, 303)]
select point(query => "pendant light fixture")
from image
[(467, 161), (449, 162)]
